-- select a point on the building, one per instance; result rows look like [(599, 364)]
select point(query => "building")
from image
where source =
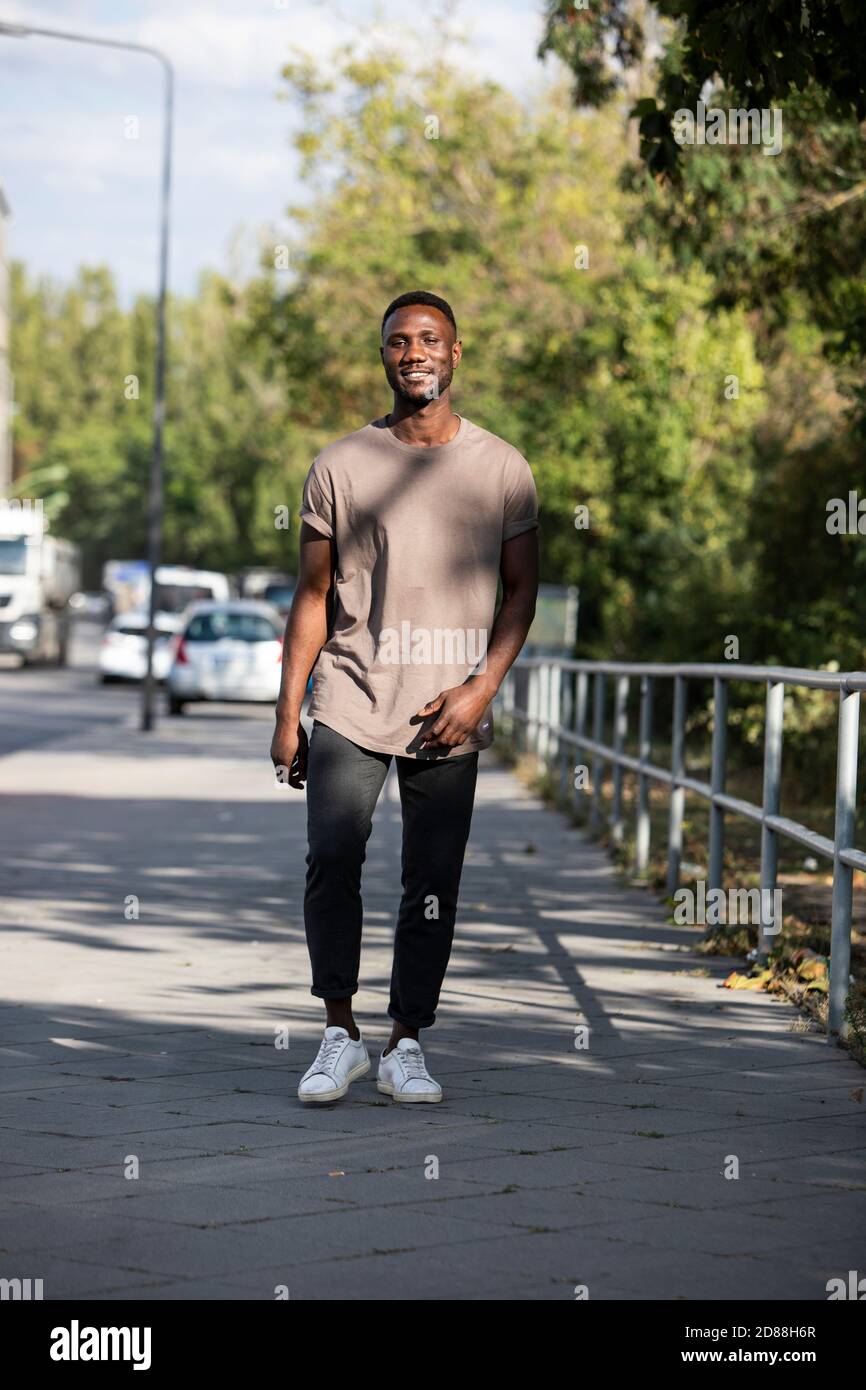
[(5, 371)]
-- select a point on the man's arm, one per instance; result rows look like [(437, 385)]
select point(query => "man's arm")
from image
[(462, 707), (306, 634)]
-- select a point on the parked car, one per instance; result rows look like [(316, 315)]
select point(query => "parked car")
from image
[(226, 651), (280, 595), (123, 650)]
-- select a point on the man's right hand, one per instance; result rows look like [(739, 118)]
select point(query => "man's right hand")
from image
[(289, 750)]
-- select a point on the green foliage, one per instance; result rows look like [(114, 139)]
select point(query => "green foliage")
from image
[(695, 386), (762, 51), (84, 377)]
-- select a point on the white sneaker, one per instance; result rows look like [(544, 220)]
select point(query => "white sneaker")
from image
[(403, 1075), (339, 1062)]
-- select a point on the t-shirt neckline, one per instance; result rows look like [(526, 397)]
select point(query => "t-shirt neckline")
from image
[(422, 450)]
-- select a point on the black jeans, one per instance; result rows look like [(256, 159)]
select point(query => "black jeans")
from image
[(437, 796)]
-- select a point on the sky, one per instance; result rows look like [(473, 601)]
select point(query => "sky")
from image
[(82, 191)]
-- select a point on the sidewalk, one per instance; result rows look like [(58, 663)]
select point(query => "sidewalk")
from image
[(152, 1041)]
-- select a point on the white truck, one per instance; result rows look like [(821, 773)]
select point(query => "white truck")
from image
[(38, 575)]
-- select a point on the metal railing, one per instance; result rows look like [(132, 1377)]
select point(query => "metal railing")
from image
[(555, 720)]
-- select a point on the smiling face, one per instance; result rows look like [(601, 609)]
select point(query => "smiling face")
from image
[(419, 352)]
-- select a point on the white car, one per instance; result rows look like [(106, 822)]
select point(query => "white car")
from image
[(226, 651), (123, 651)]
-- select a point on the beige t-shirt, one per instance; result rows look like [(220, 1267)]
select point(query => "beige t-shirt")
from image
[(418, 535)]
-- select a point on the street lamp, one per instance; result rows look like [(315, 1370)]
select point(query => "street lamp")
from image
[(154, 510)]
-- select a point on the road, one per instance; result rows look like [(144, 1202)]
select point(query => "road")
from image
[(153, 961), (40, 703)]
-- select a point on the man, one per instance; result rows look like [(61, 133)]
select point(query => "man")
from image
[(408, 523)]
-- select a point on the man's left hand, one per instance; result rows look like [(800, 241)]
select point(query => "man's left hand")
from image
[(460, 710)]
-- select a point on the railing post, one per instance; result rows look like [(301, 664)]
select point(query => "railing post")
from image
[(642, 828), (843, 876), (580, 702), (508, 703), (773, 726), (521, 699), (543, 740), (566, 715), (717, 781), (555, 707), (678, 795), (620, 722), (597, 735), (532, 711)]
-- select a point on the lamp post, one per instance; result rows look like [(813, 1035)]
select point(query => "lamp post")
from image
[(154, 510)]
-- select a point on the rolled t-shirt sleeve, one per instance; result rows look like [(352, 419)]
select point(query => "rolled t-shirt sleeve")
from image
[(521, 499), (317, 506)]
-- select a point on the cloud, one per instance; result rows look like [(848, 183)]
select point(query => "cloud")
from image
[(66, 161), (241, 51)]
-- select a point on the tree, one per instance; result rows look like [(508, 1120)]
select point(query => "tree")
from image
[(761, 52)]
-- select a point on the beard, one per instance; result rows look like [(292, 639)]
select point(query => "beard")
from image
[(420, 392)]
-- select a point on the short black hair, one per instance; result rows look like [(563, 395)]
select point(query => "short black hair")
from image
[(420, 297)]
